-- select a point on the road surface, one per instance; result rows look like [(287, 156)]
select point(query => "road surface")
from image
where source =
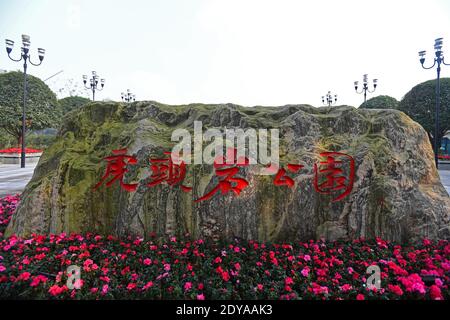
[(13, 179)]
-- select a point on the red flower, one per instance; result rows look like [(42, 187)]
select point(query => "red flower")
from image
[(131, 286), (395, 289), (37, 280), (225, 276), (435, 293), (288, 281), (360, 297), (56, 290)]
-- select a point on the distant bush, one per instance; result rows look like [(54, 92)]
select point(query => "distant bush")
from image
[(380, 102), (71, 103), (419, 104), (42, 108)]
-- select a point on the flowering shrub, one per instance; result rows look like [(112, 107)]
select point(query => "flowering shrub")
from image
[(111, 268), (7, 207), (444, 157), (18, 150)]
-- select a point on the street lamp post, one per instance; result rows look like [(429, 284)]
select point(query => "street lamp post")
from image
[(93, 85), (438, 60), (128, 96), (365, 87), (25, 56), (328, 99)]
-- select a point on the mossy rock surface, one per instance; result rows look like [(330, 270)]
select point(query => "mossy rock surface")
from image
[(396, 195)]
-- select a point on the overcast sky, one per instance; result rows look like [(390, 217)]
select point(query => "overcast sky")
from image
[(248, 52)]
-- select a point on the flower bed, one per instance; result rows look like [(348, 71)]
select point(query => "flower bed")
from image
[(7, 207), (12, 155), (182, 269), (18, 150), (444, 157)]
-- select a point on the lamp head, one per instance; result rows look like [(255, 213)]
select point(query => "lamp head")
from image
[(9, 45), (102, 81), (365, 77), (26, 41), (84, 79), (422, 56), (41, 53)]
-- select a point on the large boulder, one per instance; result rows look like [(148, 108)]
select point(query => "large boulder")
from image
[(396, 194)]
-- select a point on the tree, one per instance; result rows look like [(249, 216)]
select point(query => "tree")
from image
[(380, 102), (420, 104), (71, 103), (41, 108)]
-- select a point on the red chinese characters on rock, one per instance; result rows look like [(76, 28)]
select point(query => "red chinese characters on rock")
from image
[(165, 170), (229, 181), (281, 179), (329, 175), (335, 178), (117, 167)]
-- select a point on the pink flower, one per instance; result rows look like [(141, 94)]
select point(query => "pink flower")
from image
[(237, 266), (2, 268), (187, 286), (78, 284), (167, 267), (346, 288), (317, 289), (360, 297), (259, 286), (37, 280), (413, 283), (305, 272), (105, 289), (201, 296), (148, 285), (131, 286), (307, 257)]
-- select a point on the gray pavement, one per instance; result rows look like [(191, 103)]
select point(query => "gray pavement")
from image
[(13, 179), (445, 179)]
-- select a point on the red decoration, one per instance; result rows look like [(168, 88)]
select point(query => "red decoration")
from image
[(18, 150), (230, 182), (281, 179), (335, 179), (117, 167), (165, 170)]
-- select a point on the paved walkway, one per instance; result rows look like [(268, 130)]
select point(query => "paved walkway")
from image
[(13, 179), (445, 179)]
